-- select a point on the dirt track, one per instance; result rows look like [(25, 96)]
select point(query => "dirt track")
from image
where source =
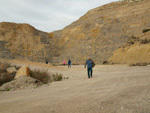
[(113, 89)]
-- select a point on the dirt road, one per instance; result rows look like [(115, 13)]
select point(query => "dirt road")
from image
[(113, 89)]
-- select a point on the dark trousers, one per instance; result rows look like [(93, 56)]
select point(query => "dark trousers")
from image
[(90, 71)]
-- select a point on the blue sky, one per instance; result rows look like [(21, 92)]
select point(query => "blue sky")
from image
[(46, 15)]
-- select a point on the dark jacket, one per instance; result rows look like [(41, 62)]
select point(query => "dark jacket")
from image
[(88, 63)]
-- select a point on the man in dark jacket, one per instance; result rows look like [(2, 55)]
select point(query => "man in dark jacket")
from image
[(89, 67)]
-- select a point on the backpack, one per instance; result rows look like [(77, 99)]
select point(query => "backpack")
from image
[(93, 64)]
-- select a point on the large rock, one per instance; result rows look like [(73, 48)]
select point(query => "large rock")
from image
[(21, 83), (11, 70), (23, 71)]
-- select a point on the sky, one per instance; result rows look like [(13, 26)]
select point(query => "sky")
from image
[(46, 15)]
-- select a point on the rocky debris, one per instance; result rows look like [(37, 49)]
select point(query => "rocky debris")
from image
[(23, 71), (11, 70), (21, 83)]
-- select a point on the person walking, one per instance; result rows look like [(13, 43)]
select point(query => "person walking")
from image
[(64, 62), (69, 64), (90, 64)]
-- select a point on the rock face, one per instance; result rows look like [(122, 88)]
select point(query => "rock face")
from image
[(23, 42), (98, 34), (101, 31), (23, 71), (136, 51)]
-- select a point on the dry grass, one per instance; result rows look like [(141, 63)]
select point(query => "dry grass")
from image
[(45, 77), (145, 30), (42, 76), (139, 64), (6, 77), (57, 77), (145, 41)]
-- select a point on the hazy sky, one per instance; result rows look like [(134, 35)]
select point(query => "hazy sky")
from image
[(46, 15)]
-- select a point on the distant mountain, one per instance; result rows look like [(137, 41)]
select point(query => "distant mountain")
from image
[(98, 33)]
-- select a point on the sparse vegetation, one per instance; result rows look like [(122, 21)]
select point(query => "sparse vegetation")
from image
[(44, 77), (4, 65), (6, 77), (105, 62), (145, 30), (139, 64), (145, 41), (57, 77), (17, 67), (40, 77)]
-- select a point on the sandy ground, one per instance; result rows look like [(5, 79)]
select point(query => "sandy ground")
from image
[(113, 89)]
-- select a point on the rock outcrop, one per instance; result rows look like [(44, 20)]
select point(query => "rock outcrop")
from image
[(135, 52), (98, 34), (23, 71)]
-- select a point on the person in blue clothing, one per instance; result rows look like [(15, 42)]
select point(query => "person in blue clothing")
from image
[(69, 63), (89, 67)]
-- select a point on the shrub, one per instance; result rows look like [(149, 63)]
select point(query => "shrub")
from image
[(17, 67), (145, 41), (4, 65), (57, 77), (6, 77), (105, 62), (139, 64), (3, 71), (44, 77), (145, 30)]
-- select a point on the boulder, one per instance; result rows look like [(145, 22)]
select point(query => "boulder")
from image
[(11, 70), (23, 71), (21, 83)]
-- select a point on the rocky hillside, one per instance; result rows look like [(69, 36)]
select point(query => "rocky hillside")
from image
[(102, 30), (135, 52), (24, 42), (98, 34)]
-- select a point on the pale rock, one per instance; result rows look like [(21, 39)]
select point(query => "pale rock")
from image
[(23, 71), (11, 69)]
